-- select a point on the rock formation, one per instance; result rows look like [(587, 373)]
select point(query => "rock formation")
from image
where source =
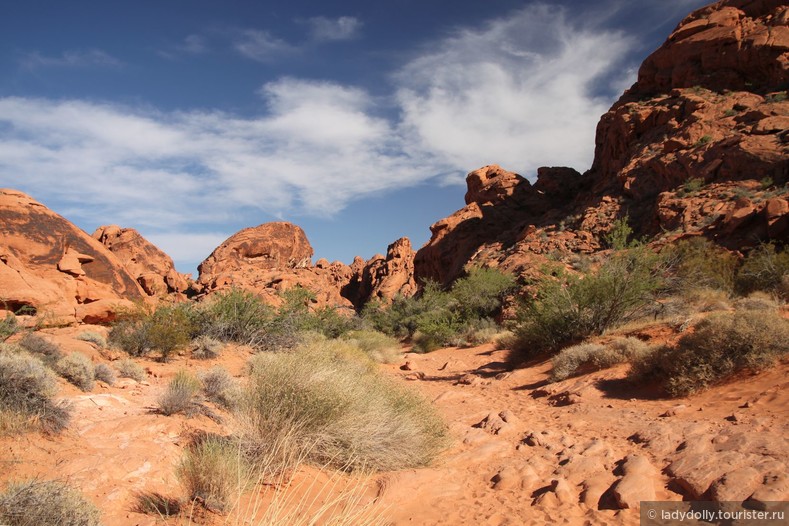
[(383, 278), (698, 145), (56, 270), (153, 269)]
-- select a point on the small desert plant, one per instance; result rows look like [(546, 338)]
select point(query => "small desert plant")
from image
[(152, 503), (205, 347), (128, 368), (214, 470), (37, 345), (93, 337), (45, 502), (220, 387), (77, 369), (704, 139), (587, 357), (338, 410), (26, 390), (8, 327), (721, 345), (104, 373), (181, 395), (377, 345)]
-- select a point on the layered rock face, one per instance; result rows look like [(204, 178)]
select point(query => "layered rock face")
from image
[(153, 269), (52, 267), (698, 146)]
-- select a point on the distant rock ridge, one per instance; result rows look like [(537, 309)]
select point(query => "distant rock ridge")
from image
[(698, 146)]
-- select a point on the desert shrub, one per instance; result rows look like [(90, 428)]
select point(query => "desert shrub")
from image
[(104, 373), (620, 235), (77, 369), (587, 357), (220, 387), (476, 332), (478, 295), (93, 337), (152, 503), (335, 409), (721, 345), (764, 268), (45, 502), (205, 347), (37, 345), (8, 327), (181, 395), (128, 368), (377, 345), (570, 308), (214, 470), (26, 390), (698, 263), (234, 316), (166, 329)]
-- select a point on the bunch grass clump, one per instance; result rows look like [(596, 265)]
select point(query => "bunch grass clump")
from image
[(128, 368), (720, 347), (93, 337), (214, 471), (588, 357), (27, 388), (337, 410), (48, 351), (378, 346), (220, 387), (46, 502), (77, 369), (181, 395), (206, 348), (104, 373)]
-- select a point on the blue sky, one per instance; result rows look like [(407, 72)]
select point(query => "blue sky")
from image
[(191, 119)]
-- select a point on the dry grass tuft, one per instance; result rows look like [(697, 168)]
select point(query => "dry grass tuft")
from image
[(588, 357), (45, 502), (377, 345), (77, 369), (181, 395), (128, 368), (152, 503), (220, 387), (104, 373)]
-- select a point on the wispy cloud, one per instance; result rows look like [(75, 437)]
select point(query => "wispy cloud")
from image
[(516, 91), (190, 45), (69, 59), (331, 29), (261, 45)]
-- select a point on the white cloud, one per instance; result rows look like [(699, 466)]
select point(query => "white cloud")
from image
[(261, 46), (330, 29), (70, 59), (516, 92)]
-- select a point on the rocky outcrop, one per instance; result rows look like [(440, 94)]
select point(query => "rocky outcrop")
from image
[(383, 278), (153, 269), (699, 145), (53, 268)]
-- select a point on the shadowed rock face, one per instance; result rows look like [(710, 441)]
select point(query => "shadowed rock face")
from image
[(710, 105), (49, 264), (153, 269)]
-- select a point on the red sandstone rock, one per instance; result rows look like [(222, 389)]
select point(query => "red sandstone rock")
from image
[(52, 266), (153, 269)]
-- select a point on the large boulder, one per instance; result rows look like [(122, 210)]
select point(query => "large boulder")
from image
[(153, 269), (55, 269)]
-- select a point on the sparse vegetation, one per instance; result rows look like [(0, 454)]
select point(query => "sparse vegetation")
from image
[(181, 395), (93, 337), (205, 347), (45, 502), (214, 470), (8, 327), (692, 185), (152, 503), (331, 407), (37, 345), (77, 369), (704, 139), (377, 345), (721, 346), (220, 387), (128, 368), (588, 357), (26, 390), (104, 373)]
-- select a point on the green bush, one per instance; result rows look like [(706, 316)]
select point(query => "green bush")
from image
[(104, 373), (8, 327), (765, 268), (572, 308), (77, 369), (128, 368), (332, 407), (181, 395), (27, 387), (588, 357), (720, 346), (478, 295), (166, 329), (45, 502), (37, 345), (698, 263), (234, 316), (214, 471)]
